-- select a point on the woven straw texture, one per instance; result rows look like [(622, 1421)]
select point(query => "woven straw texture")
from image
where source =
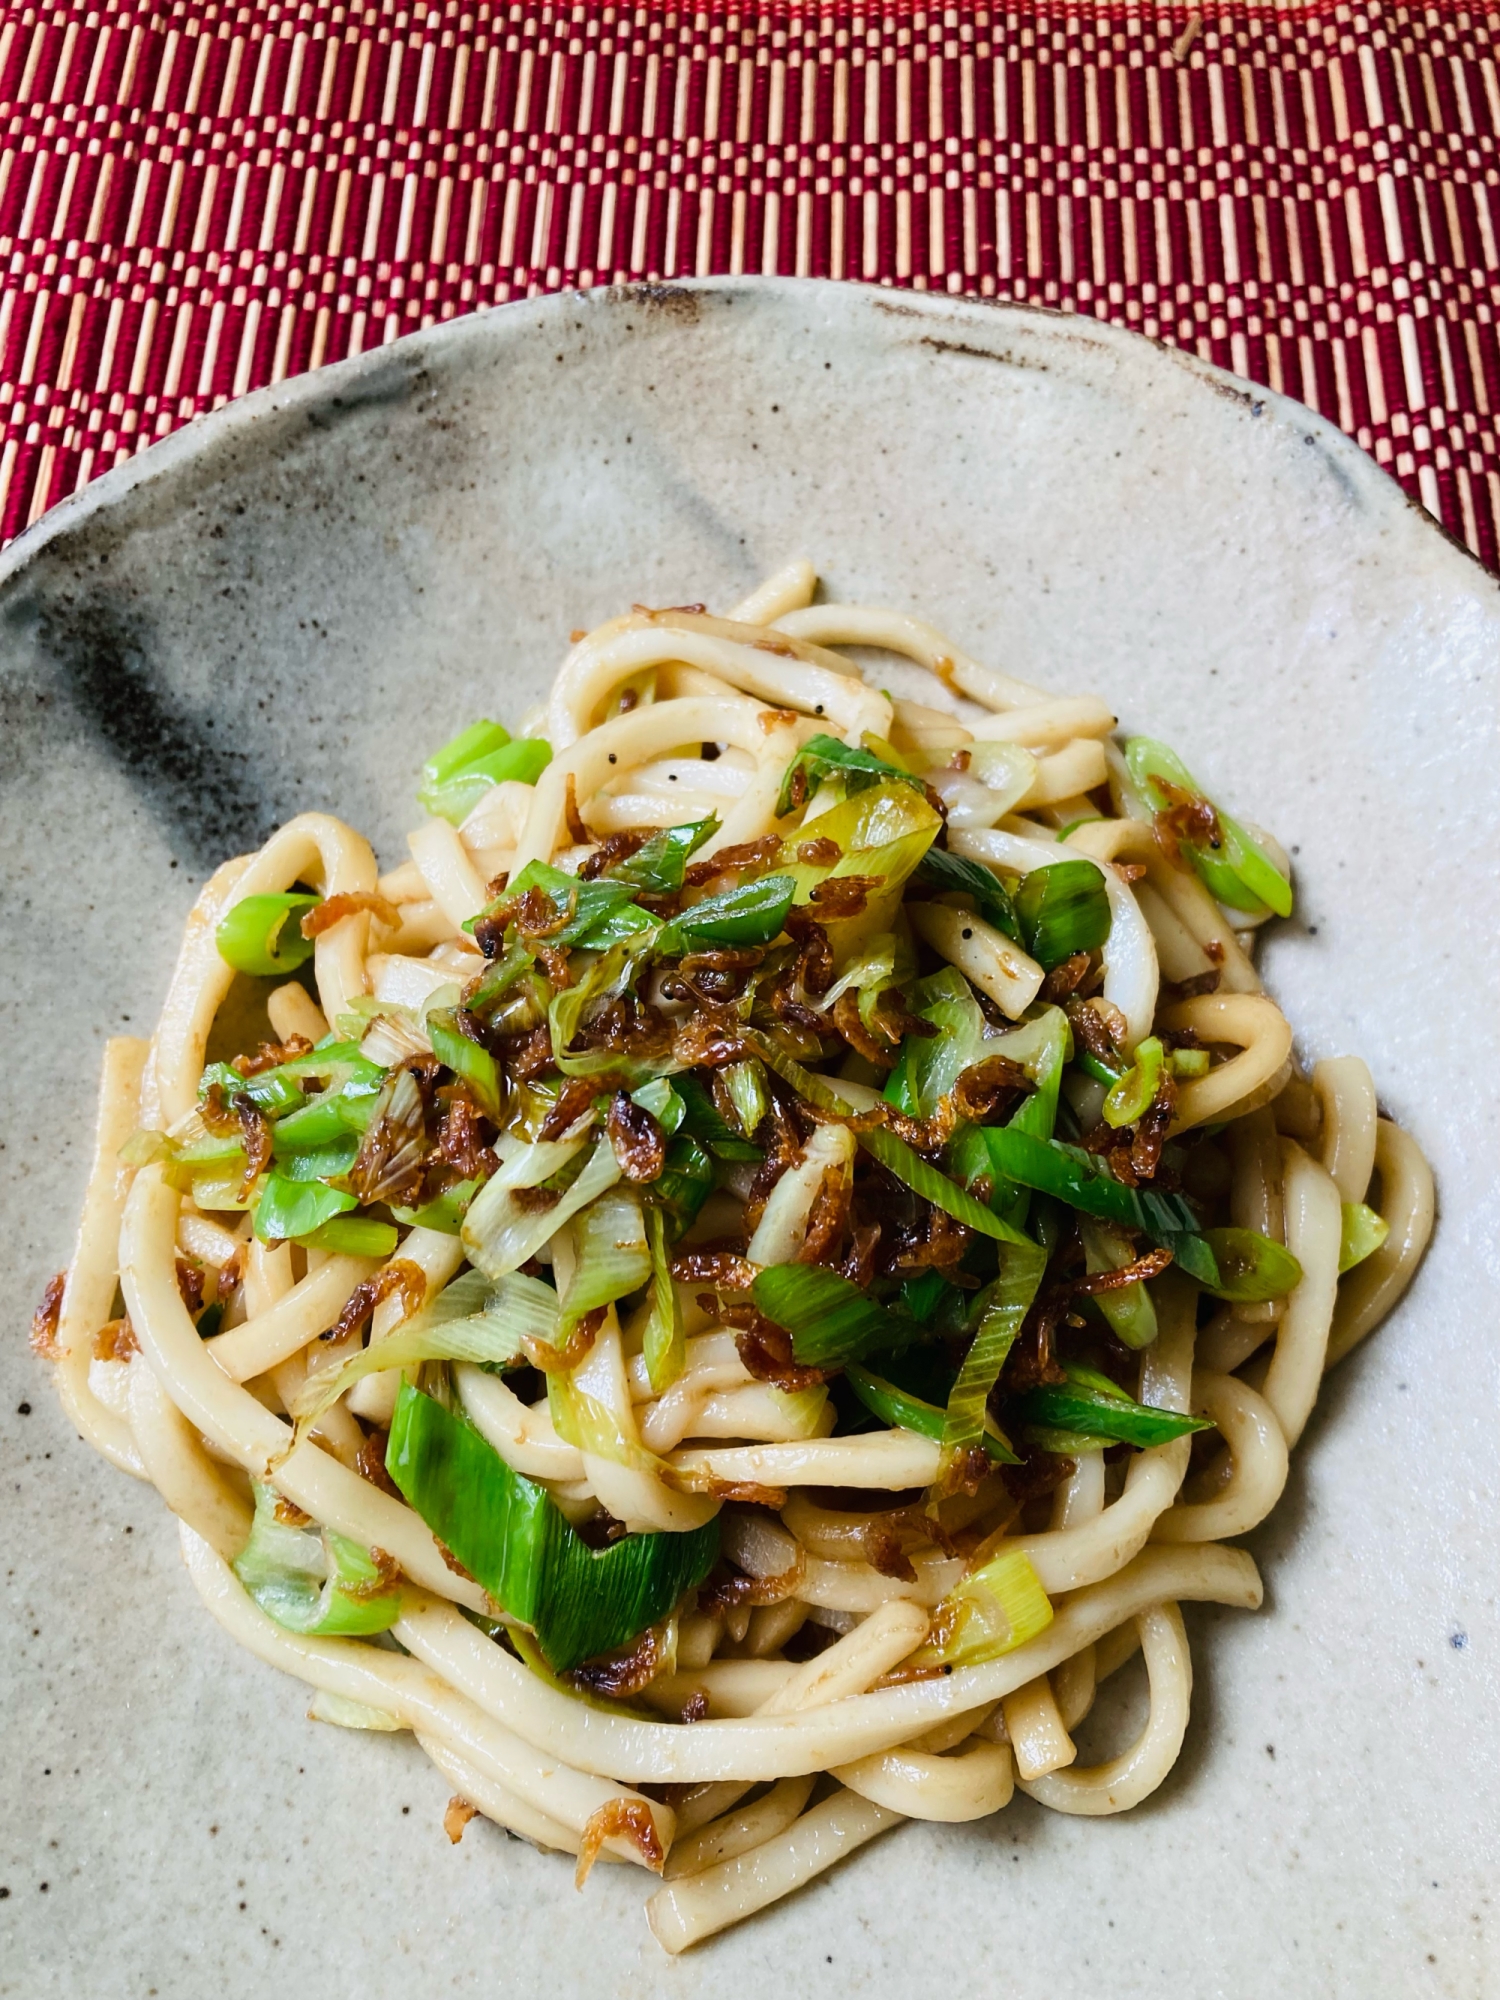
[(207, 197)]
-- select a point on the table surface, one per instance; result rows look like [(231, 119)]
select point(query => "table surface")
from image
[(200, 198)]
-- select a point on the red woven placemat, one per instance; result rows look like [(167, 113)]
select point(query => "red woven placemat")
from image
[(206, 197)]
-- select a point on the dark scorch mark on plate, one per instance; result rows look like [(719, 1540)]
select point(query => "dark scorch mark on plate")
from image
[(205, 792)]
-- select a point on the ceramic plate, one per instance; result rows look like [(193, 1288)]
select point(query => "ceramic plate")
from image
[(285, 607)]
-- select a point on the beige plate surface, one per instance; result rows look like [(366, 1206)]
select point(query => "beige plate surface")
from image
[(286, 607)]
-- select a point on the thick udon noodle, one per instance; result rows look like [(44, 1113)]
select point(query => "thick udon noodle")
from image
[(795, 1764)]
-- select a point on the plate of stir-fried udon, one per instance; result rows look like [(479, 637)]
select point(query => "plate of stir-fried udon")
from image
[(734, 1280)]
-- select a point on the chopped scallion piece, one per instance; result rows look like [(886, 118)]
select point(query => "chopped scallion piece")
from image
[(1090, 1405), (252, 935), (475, 1065), (663, 1102), (445, 1212), (663, 1344), (1080, 1180), (1005, 1304), (1251, 1267), (660, 865), (352, 1236), (509, 1533), (831, 1320), (753, 914), (1129, 1311), (939, 869), (291, 1209), (1232, 863), (273, 1091), (322, 1163), (1062, 909), (326, 1119), (313, 1581), (933, 1185), (589, 904), (703, 1121), (613, 1254), (469, 1320), (897, 1406), (989, 1614), (457, 776), (746, 1085), (823, 757), (1131, 1096), (684, 1183), (1363, 1233)]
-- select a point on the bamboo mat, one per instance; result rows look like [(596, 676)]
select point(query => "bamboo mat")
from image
[(199, 199)]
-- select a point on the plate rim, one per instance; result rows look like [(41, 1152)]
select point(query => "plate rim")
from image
[(203, 436)]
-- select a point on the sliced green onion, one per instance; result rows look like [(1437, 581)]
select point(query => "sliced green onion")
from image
[(324, 1120), (1187, 1062), (831, 1320), (824, 757), (1080, 1180), (311, 1580), (1006, 1303), (939, 869), (289, 1209), (990, 1613), (878, 963), (1131, 1096), (703, 1121), (1129, 1310), (457, 777), (499, 1233), (589, 1424), (445, 1212), (1238, 871), (898, 1406), (605, 978), (1090, 1405), (930, 1065), (618, 927), (746, 1085), (1362, 1235), (893, 1154), (470, 1320), (480, 739), (1062, 909), (879, 834), (508, 1532), (663, 1102), (146, 1149), (613, 1255), (753, 914), (249, 936), (931, 1300), (322, 1163), (1251, 1267), (490, 991), (587, 903), (664, 1344), (660, 865), (273, 1091), (352, 1236), (684, 1183), (1101, 1072), (932, 1185), (475, 1065)]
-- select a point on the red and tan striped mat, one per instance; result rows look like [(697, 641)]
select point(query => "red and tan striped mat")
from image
[(204, 197)]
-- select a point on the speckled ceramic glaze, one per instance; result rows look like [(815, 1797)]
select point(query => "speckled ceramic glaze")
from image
[(285, 607)]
